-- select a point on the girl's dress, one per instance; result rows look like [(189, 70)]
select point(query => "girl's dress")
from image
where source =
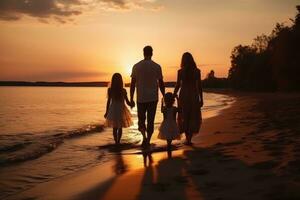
[(118, 115), (168, 129)]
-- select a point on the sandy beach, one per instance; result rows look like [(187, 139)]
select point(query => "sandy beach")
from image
[(249, 151), (89, 90)]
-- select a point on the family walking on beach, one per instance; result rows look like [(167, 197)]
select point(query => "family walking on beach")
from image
[(146, 78)]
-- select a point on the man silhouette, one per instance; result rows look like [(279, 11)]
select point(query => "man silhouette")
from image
[(146, 77)]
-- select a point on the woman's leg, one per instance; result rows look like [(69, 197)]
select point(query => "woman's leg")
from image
[(188, 136), (189, 127), (187, 124), (120, 131), (115, 134)]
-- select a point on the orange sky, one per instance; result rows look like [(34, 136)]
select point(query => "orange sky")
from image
[(88, 40)]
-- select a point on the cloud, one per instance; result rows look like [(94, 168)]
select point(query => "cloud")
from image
[(15, 9), (129, 4), (64, 10)]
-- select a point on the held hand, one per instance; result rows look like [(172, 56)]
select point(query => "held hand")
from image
[(132, 104), (201, 104)]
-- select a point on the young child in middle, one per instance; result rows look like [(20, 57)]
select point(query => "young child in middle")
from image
[(168, 129)]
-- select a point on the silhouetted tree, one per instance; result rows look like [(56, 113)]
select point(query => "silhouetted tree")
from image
[(213, 82), (211, 75), (260, 43), (270, 62)]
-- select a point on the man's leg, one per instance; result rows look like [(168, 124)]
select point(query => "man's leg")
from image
[(151, 110), (141, 108)]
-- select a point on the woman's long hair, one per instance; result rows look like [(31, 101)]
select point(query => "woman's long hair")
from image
[(188, 66), (116, 87)]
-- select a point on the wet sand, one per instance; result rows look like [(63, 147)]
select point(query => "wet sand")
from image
[(249, 151)]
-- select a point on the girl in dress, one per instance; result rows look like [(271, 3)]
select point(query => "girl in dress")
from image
[(117, 115), (168, 129)]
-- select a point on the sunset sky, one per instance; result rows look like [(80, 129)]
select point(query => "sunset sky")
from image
[(88, 40)]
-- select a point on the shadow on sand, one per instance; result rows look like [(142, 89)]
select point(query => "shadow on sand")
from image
[(195, 174)]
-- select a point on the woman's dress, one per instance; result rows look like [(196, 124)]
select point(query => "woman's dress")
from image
[(190, 118)]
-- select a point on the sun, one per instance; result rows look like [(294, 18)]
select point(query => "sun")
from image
[(126, 68), (126, 72)]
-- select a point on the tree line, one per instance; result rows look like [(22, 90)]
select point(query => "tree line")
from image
[(270, 63)]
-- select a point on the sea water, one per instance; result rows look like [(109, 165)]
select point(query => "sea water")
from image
[(48, 132)]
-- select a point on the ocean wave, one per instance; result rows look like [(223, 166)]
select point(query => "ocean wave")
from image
[(35, 145), (13, 147), (220, 102)]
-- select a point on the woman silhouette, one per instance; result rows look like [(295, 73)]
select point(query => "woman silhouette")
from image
[(190, 97)]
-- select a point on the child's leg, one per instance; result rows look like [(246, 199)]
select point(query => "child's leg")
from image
[(115, 134), (169, 142), (120, 131)]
